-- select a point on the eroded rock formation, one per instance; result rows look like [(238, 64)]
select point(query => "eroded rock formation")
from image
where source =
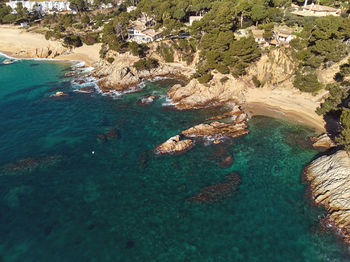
[(329, 178), (322, 142), (122, 78), (174, 145), (195, 95)]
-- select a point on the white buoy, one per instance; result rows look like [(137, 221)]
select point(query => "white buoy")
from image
[(92, 152)]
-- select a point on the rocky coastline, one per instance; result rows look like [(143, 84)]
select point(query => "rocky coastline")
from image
[(329, 183)]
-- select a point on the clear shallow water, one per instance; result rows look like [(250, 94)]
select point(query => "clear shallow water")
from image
[(123, 203)]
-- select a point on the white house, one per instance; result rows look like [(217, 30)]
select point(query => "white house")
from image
[(283, 34), (142, 35)]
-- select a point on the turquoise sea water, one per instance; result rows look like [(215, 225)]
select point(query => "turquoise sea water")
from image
[(123, 203)]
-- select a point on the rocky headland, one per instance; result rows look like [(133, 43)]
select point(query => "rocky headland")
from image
[(329, 178), (126, 77)]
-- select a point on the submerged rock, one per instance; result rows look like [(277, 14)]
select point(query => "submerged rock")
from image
[(217, 192), (227, 162), (174, 145), (329, 178), (30, 164), (110, 134)]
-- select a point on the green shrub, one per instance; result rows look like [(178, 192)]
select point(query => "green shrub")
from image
[(224, 79), (90, 39), (307, 82), (166, 52), (146, 64), (205, 78), (223, 69), (110, 60), (256, 81), (72, 40)]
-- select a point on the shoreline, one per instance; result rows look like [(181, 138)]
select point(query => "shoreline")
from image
[(262, 109)]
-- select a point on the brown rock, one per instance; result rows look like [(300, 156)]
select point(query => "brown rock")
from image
[(217, 192), (59, 94), (174, 145), (87, 89), (227, 162), (146, 100), (322, 142), (216, 130)]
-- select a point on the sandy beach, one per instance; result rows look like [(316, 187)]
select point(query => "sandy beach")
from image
[(285, 103), (19, 43)]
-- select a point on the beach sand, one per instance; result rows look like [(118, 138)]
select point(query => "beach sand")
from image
[(285, 103), (19, 43)]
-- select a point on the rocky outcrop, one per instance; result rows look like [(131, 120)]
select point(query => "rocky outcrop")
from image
[(217, 192), (322, 142), (109, 135), (121, 78), (146, 100), (195, 95), (42, 52), (329, 178), (275, 68), (215, 132), (174, 145)]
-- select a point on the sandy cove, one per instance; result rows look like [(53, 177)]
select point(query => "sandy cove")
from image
[(290, 104), (283, 103), (20, 43)]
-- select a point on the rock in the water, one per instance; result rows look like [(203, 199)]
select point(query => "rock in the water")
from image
[(174, 145), (113, 133), (110, 134), (87, 89), (227, 162), (322, 142), (216, 130), (59, 94), (217, 192), (329, 178), (146, 100)]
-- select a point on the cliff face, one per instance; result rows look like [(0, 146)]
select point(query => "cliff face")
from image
[(274, 69), (329, 178)]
